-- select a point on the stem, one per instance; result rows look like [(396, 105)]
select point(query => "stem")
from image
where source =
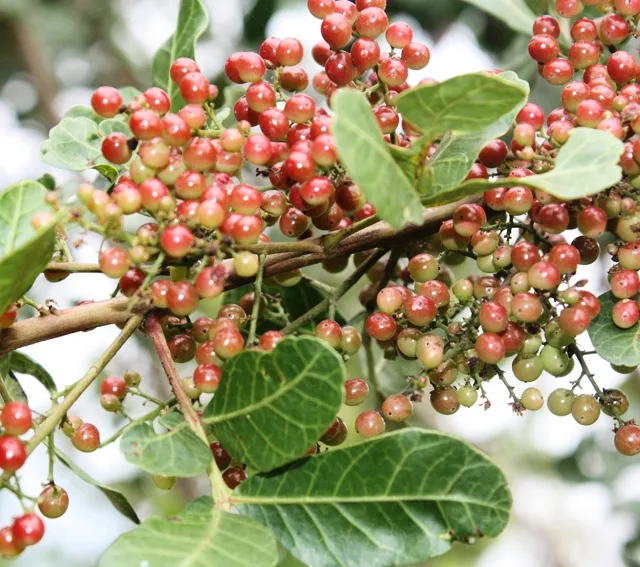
[(318, 284), (49, 425), (154, 330), (51, 449), (372, 375), (141, 394), (98, 314), (331, 240), (279, 247), (144, 419), (575, 351), (65, 322), (337, 293), (257, 301), (517, 404)]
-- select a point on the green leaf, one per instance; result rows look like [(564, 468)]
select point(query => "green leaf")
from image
[(15, 391), (230, 95), (24, 252), (200, 536), (128, 94), (74, 144), (177, 452), (117, 499), (23, 364), (515, 13), (457, 152), (394, 500), (272, 406), (467, 103), (114, 125), (369, 162), (586, 165), (14, 388), (193, 21), (82, 111), (107, 170), (615, 345), (48, 181), (295, 301)]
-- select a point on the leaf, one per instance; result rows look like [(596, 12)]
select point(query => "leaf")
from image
[(107, 170), (48, 181), (615, 345), (23, 364), (367, 159), (586, 165), (128, 94), (74, 144), (82, 111), (394, 500), (295, 301), (515, 13), (457, 153), (114, 125), (24, 252), (117, 499), (272, 406), (467, 103), (177, 452), (200, 536), (193, 21), (230, 95), (16, 393)]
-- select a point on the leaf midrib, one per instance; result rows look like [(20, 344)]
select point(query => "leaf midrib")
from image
[(264, 401), (279, 501)]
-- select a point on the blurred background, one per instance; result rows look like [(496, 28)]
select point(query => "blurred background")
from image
[(576, 499)]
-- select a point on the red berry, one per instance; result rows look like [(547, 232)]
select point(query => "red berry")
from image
[(115, 148), (625, 313), (115, 386), (53, 502), (106, 101), (145, 124), (356, 391), (627, 440), (114, 262), (28, 529), (381, 326), (9, 547), (16, 418), (176, 240), (182, 298), (12, 454), (490, 348), (181, 67), (207, 377), (86, 438)]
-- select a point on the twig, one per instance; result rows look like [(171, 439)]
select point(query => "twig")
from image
[(337, 293), (257, 301)]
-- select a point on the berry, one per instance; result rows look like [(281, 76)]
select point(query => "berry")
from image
[(220, 455), (356, 391), (182, 298), (28, 529), (532, 399), (445, 400), (627, 440), (381, 326), (16, 418), (490, 348), (585, 409), (12, 454), (206, 378), (467, 396), (370, 424), (560, 402), (115, 386), (53, 502), (234, 477), (86, 438), (106, 101), (9, 547), (164, 482), (397, 408)]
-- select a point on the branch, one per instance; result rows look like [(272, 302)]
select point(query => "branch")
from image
[(73, 268), (114, 311), (58, 412), (65, 322)]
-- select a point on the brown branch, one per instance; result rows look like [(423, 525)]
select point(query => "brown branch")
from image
[(114, 311), (73, 268), (65, 322)]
